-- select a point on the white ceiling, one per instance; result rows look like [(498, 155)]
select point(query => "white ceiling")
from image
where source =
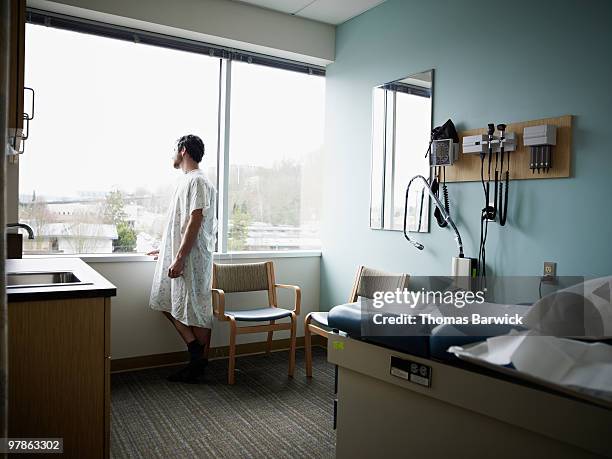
[(329, 11)]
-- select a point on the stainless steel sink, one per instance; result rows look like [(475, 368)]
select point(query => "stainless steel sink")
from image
[(42, 279)]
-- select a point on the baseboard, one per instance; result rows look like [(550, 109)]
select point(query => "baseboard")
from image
[(221, 352)]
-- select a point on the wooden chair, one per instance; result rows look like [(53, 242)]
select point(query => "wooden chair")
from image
[(367, 281), (252, 277)]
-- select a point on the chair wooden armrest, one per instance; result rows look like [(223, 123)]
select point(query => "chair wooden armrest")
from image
[(218, 297), (315, 328), (298, 296)]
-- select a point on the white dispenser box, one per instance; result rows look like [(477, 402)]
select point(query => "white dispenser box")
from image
[(544, 134)]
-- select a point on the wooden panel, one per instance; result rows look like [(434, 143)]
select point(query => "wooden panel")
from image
[(56, 373), (467, 168), (107, 370), (107, 407)]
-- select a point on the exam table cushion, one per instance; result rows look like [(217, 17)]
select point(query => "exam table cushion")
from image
[(259, 314), (347, 318), (582, 310), (419, 339)]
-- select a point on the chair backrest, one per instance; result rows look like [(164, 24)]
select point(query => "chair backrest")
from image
[(245, 277), (370, 280)]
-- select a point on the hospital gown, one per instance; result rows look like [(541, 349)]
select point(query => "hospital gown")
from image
[(188, 297)]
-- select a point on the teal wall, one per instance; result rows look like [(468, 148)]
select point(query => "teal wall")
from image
[(550, 58)]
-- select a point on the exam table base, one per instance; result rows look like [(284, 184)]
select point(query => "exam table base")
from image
[(462, 414)]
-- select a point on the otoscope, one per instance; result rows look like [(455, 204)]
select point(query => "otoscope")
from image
[(502, 207), (488, 212), (489, 209)]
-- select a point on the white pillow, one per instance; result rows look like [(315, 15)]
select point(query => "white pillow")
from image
[(583, 310)]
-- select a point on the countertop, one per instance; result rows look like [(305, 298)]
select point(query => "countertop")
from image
[(95, 285)]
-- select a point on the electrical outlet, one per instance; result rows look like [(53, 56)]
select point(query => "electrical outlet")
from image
[(550, 271)]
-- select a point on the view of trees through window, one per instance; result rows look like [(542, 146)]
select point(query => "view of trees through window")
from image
[(276, 139), (97, 175)]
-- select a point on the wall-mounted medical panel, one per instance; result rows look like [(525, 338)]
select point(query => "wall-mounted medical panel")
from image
[(467, 166)]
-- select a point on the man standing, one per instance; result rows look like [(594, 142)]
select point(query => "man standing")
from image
[(183, 275)]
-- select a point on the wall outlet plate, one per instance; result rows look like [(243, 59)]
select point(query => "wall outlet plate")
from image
[(550, 271)]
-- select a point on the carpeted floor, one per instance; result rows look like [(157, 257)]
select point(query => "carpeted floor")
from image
[(265, 414)]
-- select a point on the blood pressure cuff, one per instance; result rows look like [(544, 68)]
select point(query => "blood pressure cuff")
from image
[(446, 131)]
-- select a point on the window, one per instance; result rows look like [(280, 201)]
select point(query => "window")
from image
[(97, 175), (276, 138)]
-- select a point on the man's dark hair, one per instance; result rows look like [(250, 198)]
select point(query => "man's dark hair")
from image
[(194, 146)]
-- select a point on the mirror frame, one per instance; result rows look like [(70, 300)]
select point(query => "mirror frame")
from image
[(383, 192)]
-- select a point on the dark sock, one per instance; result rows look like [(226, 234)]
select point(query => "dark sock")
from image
[(195, 350), (196, 366)]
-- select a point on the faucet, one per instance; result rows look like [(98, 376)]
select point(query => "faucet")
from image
[(24, 226)]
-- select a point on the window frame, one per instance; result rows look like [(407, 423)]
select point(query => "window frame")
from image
[(226, 56)]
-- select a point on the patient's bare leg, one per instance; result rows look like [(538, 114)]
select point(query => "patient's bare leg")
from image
[(183, 330)]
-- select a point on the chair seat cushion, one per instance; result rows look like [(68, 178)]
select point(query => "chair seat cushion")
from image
[(320, 318), (259, 314)]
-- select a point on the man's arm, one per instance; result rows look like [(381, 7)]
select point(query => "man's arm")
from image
[(189, 238)]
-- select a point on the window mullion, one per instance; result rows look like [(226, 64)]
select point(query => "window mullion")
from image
[(223, 152)]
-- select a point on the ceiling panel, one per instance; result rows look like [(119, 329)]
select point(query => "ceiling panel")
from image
[(328, 11), (284, 6), (337, 11)]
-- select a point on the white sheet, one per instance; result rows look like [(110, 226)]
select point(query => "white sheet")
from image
[(556, 360)]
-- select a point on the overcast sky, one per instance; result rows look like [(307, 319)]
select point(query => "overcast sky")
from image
[(108, 113)]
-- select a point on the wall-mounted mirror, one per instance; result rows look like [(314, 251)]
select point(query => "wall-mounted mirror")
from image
[(401, 130)]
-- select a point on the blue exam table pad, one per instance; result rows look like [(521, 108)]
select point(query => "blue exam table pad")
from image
[(427, 341)]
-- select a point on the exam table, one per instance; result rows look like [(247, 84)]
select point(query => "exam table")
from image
[(407, 396)]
